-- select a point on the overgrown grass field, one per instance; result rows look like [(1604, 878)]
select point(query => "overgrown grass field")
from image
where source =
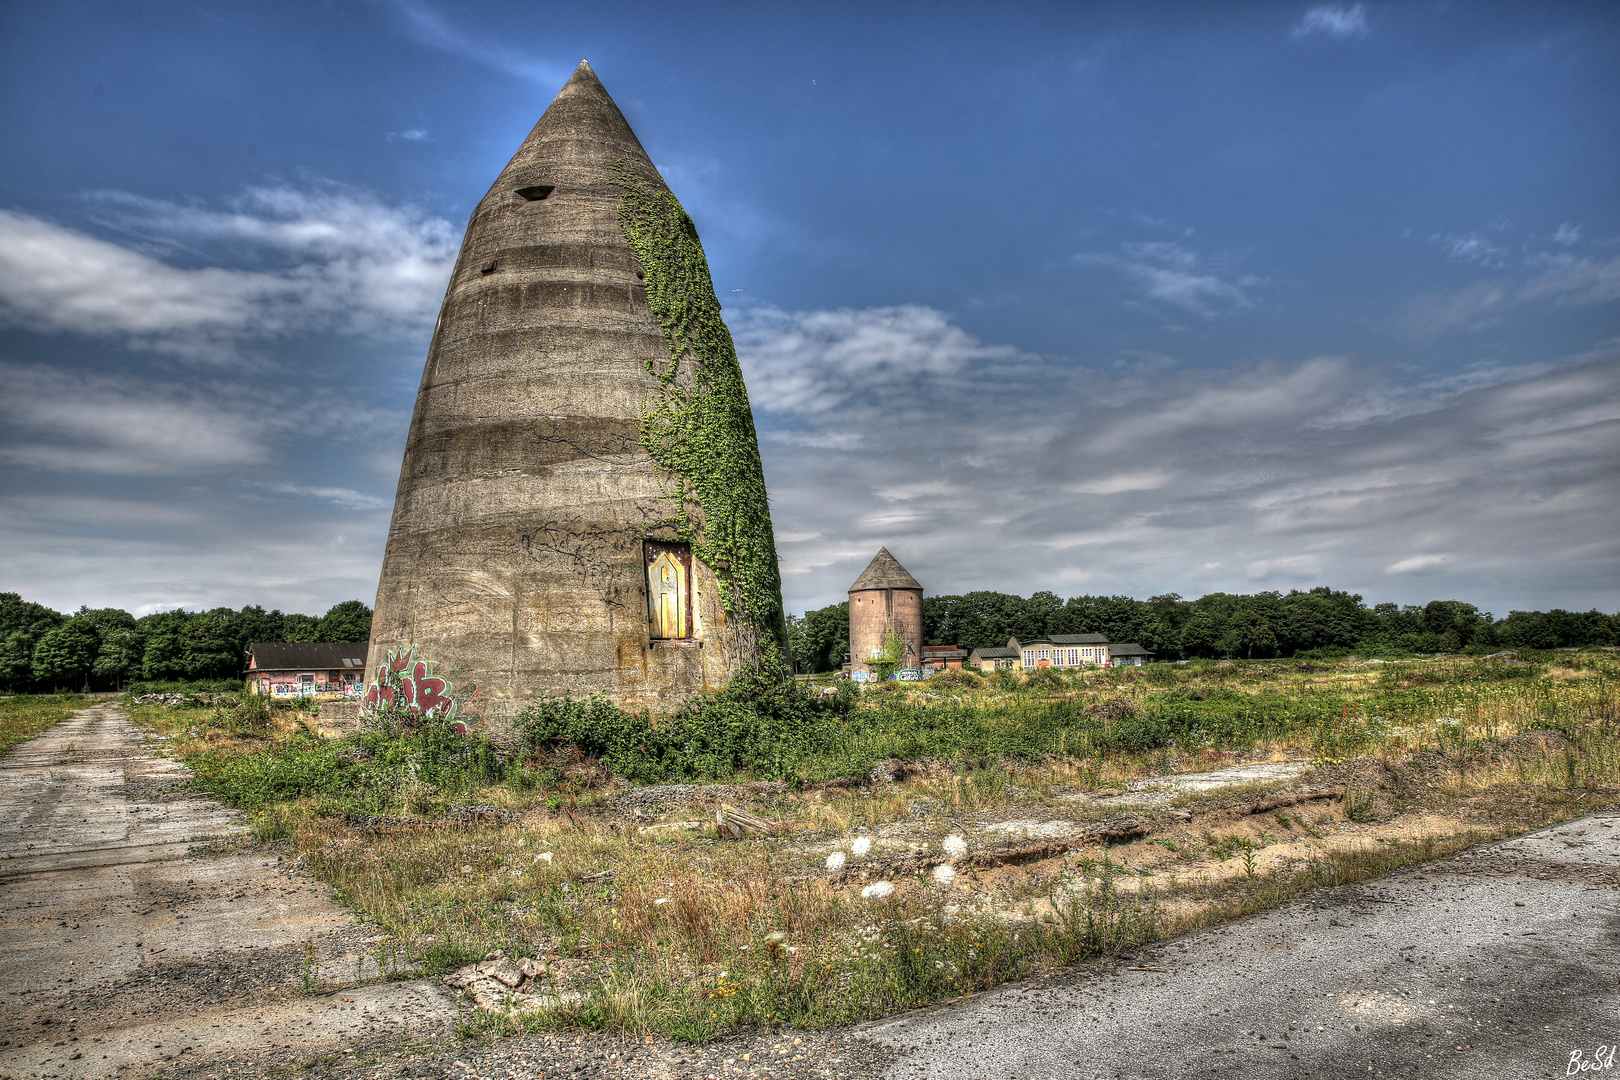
[(648, 921), (22, 717)]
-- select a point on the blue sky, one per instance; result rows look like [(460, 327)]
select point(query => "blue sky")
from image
[(1129, 298)]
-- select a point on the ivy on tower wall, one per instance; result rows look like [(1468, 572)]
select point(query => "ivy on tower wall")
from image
[(700, 429)]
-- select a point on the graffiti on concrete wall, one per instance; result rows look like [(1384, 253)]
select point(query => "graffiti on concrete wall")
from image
[(407, 693)]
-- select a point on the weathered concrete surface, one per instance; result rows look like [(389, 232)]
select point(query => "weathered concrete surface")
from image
[(1502, 962), (514, 559), (125, 943)]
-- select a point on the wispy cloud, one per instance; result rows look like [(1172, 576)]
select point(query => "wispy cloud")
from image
[(147, 492), (1277, 475), (1474, 248), (413, 135), (287, 261), (1562, 278), (810, 362), (347, 498), (427, 25), (1334, 21), (1170, 273), (1415, 563), (116, 425)]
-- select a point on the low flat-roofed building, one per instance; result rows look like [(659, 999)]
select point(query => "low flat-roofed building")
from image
[(307, 668), (1130, 654), (943, 657), (993, 659)]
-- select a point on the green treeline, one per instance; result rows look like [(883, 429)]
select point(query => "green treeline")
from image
[(1252, 626), (107, 648)]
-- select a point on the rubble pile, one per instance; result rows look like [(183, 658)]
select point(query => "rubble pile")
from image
[(500, 984), (199, 700)]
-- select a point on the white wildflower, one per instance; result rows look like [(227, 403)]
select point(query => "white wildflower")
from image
[(877, 890), (944, 873), (835, 861), (955, 846), (861, 845)]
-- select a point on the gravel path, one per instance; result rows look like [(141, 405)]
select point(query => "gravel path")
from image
[(127, 945)]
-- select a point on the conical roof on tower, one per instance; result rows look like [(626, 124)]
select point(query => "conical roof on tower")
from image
[(884, 572)]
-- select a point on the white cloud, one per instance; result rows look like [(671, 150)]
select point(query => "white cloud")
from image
[(59, 421), (1335, 21), (1474, 248), (1172, 274), (1570, 280), (347, 498), (413, 135), (810, 362), (1494, 482), (1415, 563), (148, 492), (1579, 273), (1113, 485), (339, 262), (426, 25)]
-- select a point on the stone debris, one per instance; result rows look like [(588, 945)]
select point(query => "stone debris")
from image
[(663, 796), (1047, 830), (502, 985), (199, 700), (482, 814)]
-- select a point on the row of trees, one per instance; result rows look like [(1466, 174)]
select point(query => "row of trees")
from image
[(105, 648), (1263, 624)]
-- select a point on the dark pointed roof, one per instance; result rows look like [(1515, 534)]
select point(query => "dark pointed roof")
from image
[(884, 572)]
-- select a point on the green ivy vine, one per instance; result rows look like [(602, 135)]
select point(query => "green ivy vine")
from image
[(701, 430)]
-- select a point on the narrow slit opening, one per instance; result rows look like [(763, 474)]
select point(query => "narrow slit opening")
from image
[(536, 192)]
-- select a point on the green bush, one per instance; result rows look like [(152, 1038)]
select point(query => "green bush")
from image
[(756, 724), (362, 772)]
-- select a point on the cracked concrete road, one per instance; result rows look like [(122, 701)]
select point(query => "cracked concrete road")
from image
[(1502, 962), (130, 947)]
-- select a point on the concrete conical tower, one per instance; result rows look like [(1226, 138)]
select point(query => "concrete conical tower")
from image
[(581, 507)]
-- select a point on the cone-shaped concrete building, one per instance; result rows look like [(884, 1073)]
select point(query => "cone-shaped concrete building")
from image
[(581, 507)]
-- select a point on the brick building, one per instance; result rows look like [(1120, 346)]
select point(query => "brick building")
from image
[(885, 597)]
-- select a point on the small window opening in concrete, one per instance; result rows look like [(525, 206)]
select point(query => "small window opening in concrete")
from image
[(487, 268), (536, 192), (669, 590)]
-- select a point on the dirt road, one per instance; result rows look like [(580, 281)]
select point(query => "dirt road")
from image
[(133, 935)]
